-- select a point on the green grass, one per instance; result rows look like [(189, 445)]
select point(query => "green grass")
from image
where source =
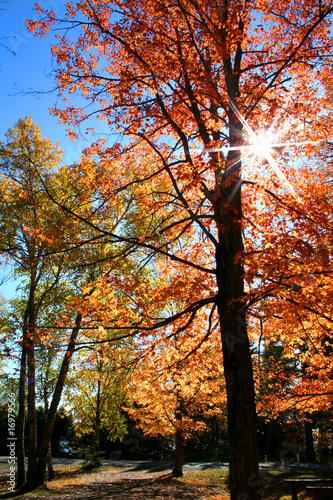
[(214, 483), (278, 490)]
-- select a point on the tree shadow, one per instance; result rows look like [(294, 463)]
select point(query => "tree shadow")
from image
[(163, 487)]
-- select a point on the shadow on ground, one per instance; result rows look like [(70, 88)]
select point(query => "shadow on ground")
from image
[(161, 488)]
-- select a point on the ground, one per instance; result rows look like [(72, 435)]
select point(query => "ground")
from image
[(135, 481), (110, 483)]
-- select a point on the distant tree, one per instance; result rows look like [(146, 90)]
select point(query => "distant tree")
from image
[(25, 238), (96, 392), (173, 390), (33, 238)]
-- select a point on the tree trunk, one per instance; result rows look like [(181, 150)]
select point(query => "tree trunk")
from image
[(21, 418), (179, 435), (50, 468), (31, 369), (97, 432), (32, 431), (28, 369), (51, 474), (179, 453), (310, 451), (44, 445), (243, 449)]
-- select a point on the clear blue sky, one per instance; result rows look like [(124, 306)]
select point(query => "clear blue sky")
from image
[(28, 70), (26, 65)]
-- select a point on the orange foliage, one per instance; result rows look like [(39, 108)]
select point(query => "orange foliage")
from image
[(172, 390), (168, 78)]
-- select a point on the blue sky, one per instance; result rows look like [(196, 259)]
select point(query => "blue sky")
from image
[(29, 70)]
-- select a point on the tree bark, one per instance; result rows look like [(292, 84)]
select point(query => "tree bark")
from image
[(21, 418), (21, 476), (98, 418), (50, 469), (31, 371), (44, 445), (32, 431), (243, 449), (179, 442), (179, 452), (310, 451)]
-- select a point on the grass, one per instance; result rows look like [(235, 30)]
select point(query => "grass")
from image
[(214, 483), (278, 490)]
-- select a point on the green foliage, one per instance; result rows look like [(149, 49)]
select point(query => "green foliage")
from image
[(93, 458), (211, 444), (62, 434), (97, 391)]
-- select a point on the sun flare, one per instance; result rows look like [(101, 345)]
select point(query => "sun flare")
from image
[(263, 142), (263, 145)]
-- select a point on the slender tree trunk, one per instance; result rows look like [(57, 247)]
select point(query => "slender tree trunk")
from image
[(243, 449), (179, 441), (50, 468), (21, 417), (44, 445), (31, 371), (32, 431), (21, 476), (310, 451), (97, 436)]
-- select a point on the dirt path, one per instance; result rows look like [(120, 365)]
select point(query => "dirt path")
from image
[(116, 484)]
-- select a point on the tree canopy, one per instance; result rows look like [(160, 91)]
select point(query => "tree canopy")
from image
[(216, 107)]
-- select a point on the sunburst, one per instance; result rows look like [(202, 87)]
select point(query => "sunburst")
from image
[(262, 144)]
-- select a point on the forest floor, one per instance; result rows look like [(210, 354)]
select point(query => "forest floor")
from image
[(108, 482)]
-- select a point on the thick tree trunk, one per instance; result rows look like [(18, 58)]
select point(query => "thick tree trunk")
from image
[(179, 453), (44, 445), (243, 449), (179, 437)]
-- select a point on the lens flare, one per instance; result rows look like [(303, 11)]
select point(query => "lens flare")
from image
[(262, 145)]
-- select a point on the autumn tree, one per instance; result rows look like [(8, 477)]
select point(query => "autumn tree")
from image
[(292, 269), (33, 238), (173, 390), (96, 392), (44, 246), (174, 76), (23, 240)]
